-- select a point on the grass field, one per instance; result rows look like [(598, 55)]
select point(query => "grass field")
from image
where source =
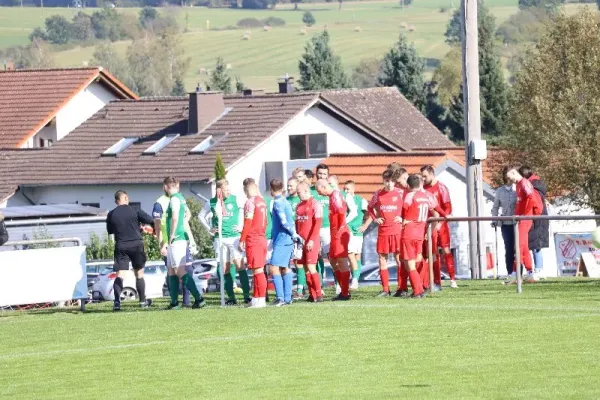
[(481, 341)]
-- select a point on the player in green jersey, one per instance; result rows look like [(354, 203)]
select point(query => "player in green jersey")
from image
[(231, 229), (294, 200), (355, 218), (176, 246)]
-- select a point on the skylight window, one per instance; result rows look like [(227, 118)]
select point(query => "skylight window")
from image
[(208, 143), (120, 146), (160, 144)]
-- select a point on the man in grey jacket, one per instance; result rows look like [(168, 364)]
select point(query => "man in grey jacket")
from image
[(504, 205)]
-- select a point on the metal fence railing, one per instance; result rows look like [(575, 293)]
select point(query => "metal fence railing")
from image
[(515, 220)]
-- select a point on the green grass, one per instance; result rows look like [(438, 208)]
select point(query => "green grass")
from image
[(481, 341)]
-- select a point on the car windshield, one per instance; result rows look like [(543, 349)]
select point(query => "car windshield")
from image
[(106, 271)]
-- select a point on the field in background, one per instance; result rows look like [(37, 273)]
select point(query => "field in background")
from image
[(481, 341)]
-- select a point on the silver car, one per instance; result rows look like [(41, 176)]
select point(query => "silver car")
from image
[(155, 273)]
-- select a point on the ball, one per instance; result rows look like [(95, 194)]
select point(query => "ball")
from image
[(596, 237)]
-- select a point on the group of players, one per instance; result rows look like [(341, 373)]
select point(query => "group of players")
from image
[(321, 221)]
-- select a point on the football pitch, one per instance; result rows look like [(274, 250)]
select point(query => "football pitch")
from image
[(479, 341)]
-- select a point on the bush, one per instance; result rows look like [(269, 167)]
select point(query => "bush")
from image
[(255, 4), (308, 18), (39, 34), (274, 21), (249, 23), (58, 29), (100, 249)]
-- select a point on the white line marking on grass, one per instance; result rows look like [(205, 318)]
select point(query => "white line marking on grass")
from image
[(422, 304)]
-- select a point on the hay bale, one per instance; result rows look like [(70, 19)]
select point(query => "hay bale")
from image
[(266, 28), (202, 71), (412, 29), (357, 29), (228, 66), (404, 25), (246, 36), (303, 31)]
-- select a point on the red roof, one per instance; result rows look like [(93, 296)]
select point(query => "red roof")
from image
[(29, 99)]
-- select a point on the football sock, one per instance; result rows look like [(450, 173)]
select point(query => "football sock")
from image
[(415, 282), (424, 272), (140, 286), (317, 283), (301, 279), (345, 283), (188, 282), (260, 285), (356, 273), (245, 282), (278, 283), (321, 268), (437, 271), (311, 285), (385, 279), (174, 288), (118, 289), (229, 286), (403, 279), (450, 265), (288, 282)]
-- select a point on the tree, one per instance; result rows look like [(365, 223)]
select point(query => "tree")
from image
[(58, 29), (403, 69), (219, 78), (320, 68), (550, 5), (340, 4), (203, 240), (107, 24), (39, 34), (178, 88), (308, 18), (255, 4), (81, 27), (455, 120), (554, 114), (493, 88), (448, 76), (220, 172), (298, 1), (147, 16), (106, 56), (366, 73), (239, 85)]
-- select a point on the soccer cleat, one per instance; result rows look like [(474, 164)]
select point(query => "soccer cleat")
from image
[(199, 303), (401, 293), (338, 289), (354, 284), (175, 306), (187, 305), (510, 279), (310, 299), (117, 307), (287, 303), (417, 296), (384, 294), (258, 303), (231, 302), (437, 288), (278, 303), (319, 299), (146, 304), (247, 300), (339, 297), (298, 296), (453, 284)]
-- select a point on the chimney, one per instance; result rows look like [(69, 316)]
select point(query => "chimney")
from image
[(205, 107), (253, 92), (286, 84)]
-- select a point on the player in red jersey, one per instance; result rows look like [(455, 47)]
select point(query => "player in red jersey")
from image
[(444, 208), (254, 242), (385, 208), (309, 216), (416, 210), (529, 202), (423, 263), (340, 235)]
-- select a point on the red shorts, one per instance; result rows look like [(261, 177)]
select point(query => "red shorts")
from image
[(256, 254), (411, 248), (444, 235), (389, 244), (338, 248), (309, 257)]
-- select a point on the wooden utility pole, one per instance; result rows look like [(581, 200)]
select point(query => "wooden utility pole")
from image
[(472, 120)]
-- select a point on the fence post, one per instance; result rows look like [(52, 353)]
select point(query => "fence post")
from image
[(518, 258), (430, 256)]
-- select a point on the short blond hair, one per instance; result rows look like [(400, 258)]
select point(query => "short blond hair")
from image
[(221, 183)]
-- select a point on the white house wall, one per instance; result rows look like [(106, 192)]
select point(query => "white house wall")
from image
[(340, 139)]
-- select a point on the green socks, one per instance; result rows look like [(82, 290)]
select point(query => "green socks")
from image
[(321, 268), (229, 286), (245, 282), (301, 276), (188, 282), (356, 274), (174, 289)]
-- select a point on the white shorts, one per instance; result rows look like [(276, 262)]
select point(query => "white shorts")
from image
[(325, 236), (231, 247), (355, 245), (269, 249), (177, 254)]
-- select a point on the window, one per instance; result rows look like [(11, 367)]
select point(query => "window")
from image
[(46, 142), (308, 146), (160, 144), (137, 206), (97, 205), (120, 146), (208, 143)]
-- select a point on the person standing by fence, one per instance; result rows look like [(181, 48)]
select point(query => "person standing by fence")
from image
[(504, 205), (3, 231)]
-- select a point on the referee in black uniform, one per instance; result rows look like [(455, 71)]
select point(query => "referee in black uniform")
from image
[(124, 222)]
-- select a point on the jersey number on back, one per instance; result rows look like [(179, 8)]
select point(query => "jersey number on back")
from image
[(423, 211)]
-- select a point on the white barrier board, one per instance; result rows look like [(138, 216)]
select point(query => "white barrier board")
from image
[(42, 275)]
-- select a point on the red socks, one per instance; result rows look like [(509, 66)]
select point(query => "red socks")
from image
[(437, 270), (385, 279), (403, 279), (316, 280), (424, 272), (344, 281), (260, 286), (311, 287), (415, 282), (450, 265)]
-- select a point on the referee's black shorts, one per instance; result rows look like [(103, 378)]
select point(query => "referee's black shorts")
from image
[(134, 254)]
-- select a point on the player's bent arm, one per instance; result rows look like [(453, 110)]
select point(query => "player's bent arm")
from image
[(315, 230), (441, 211), (352, 209), (144, 218), (174, 204)]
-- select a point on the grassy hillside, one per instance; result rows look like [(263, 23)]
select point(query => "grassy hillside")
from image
[(267, 55)]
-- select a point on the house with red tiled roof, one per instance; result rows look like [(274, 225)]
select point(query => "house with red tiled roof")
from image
[(40, 107), (134, 144)]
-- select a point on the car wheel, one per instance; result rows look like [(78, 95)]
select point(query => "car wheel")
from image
[(128, 294)]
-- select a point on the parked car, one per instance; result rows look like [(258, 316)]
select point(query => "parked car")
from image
[(205, 276), (93, 272), (155, 273)]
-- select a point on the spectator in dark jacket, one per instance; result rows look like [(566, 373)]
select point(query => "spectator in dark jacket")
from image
[(3, 231), (539, 235)]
